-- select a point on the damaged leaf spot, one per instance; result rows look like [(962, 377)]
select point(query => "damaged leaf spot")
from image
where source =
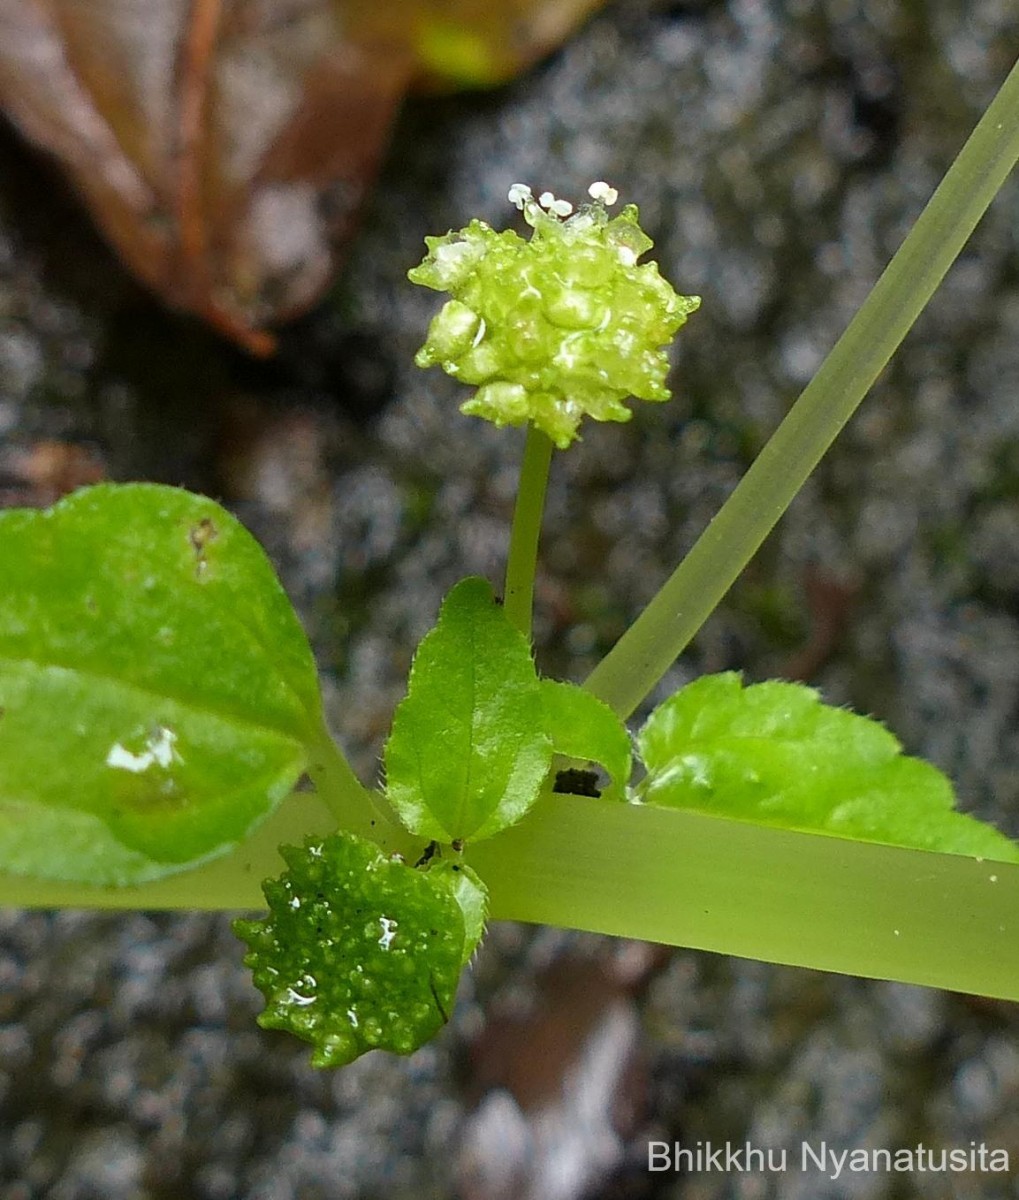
[(201, 535)]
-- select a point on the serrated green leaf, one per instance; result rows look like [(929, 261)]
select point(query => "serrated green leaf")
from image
[(470, 894), (468, 751), (582, 726), (156, 688), (773, 753), (359, 951)]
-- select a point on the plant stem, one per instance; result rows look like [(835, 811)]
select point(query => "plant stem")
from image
[(650, 646), (523, 549)]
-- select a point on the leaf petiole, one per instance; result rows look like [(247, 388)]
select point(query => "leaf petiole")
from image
[(354, 807)]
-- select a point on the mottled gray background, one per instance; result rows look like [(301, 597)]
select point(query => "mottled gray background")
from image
[(778, 152)]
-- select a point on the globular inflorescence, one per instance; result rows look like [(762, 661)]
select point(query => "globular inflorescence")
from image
[(555, 327)]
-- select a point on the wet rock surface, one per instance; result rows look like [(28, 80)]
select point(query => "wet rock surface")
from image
[(778, 153)]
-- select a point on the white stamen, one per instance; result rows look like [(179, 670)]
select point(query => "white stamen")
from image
[(600, 190), (558, 208), (518, 195)]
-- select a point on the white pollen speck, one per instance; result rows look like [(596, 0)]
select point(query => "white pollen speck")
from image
[(600, 190), (993, 878)]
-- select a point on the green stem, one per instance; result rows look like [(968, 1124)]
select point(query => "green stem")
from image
[(523, 549), (650, 646)]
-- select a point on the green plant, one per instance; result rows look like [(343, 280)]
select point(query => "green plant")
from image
[(159, 702)]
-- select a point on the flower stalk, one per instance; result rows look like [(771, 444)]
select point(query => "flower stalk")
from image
[(522, 561)]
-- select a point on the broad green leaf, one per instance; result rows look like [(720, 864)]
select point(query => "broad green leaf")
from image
[(359, 951), (582, 726), (156, 688), (773, 753), (468, 751)]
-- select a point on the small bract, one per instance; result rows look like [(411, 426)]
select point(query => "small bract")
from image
[(359, 951), (562, 325)]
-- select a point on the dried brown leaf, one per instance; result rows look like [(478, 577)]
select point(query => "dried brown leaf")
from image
[(225, 146)]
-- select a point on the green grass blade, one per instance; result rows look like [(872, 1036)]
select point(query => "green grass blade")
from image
[(649, 647), (684, 879), (802, 899)]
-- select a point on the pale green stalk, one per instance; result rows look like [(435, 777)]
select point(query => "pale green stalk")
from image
[(523, 549), (682, 879), (651, 645)]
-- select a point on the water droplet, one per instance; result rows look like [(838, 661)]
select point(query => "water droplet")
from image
[(388, 931), (159, 750)]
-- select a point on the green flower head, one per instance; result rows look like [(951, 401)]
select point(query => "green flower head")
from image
[(549, 329)]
